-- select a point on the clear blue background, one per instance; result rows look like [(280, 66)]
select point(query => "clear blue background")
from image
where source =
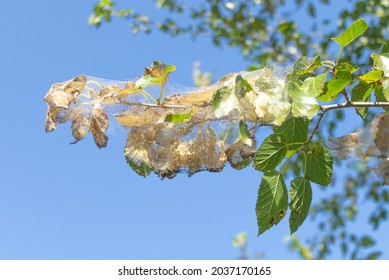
[(61, 201)]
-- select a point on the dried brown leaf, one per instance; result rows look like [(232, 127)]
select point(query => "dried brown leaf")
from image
[(383, 171), (98, 125), (345, 145), (127, 90), (57, 97), (76, 85), (140, 116), (80, 126), (379, 128), (202, 98), (51, 118)]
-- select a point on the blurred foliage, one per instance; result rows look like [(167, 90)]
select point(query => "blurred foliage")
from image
[(270, 32), (264, 30)]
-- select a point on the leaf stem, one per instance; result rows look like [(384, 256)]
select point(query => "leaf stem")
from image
[(162, 95), (146, 94)]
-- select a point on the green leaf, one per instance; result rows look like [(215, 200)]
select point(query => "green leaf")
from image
[(178, 118), (142, 169), (381, 62), (385, 49), (241, 86), (335, 85), (272, 201), (243, 132), (366, 241), (303, 97), (224, 101), (156, 75), (314, 85), (302, 64), (295, 132), (312, 66), (311, 10), (301, 196), (318, 164), (271, 152), (356, 29), (382, 92), (372, 76), (346, 66), (362, 93), (374, 256)]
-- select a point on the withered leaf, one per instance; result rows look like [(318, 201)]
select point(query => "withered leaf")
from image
[(51, 119), (80, 126), (345, 145), (157, 69), (57, 97), (239, 154), (127, 90), (96, 121), (76, 85), (379, 128), (383, 171), (140, 116), (99, 124)]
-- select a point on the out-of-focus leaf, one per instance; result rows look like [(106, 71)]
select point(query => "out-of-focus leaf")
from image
[(355, 30), (240, 240), (372, 76), (270, 153), (316, 63), (272, 201), (379, 128), (374, 256), (345, 145), (346, 66), (385, 49), (317, 164), (366, 241), (381, 62), (301, 196)]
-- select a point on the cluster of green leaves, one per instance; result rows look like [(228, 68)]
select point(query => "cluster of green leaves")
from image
[(287, 140), (264, 30), (313, 162)]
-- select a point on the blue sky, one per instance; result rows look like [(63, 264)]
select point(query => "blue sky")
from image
[(61, 201)]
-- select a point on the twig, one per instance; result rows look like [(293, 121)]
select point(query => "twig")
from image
[(349, 104), (352, 104), (344, 93), (153, 105)]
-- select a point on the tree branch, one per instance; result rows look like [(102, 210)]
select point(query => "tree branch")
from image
[(349, 104)]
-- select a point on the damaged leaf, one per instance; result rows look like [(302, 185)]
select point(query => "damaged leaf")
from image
[(272, 201)]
